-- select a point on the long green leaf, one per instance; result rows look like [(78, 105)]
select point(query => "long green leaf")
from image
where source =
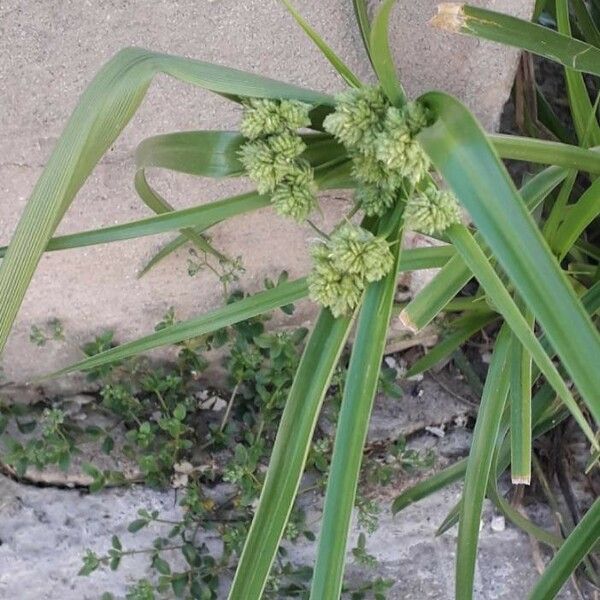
[(286, 293), (492, 284), (579, 216), (579, 100), (364, 25), (479, 465), (520, 410), (381, 55), (336, 62), (431, 300), (460, 331), (289, 455), (104, 109), (203, 216), (545, 152), (430, 485), (353, 422), (574, 549), (512, 31), (460, 150)]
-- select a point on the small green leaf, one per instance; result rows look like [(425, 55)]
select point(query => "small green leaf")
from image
[(137, 525), (162, 566)]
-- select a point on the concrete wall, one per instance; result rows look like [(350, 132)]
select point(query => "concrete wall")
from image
[(50, 50)]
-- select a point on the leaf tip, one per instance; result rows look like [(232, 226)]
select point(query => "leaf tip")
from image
[(450, 16)]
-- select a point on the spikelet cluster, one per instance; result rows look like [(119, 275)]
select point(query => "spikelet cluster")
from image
[(344, 264), (271, 157), (381, 140), (432, 211)]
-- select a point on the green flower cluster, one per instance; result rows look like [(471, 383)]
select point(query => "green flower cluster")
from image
[(342, 266), (380, 138), (272, 156), (432, 211)]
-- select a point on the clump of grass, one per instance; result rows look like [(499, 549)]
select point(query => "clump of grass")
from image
[(536, 275)]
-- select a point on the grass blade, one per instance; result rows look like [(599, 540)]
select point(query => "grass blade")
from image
[(520, 411), (545, 152), (336, 62), (460, 150), (165, 251), (203, 216), (415, 259), (430, 485), (105, 108), (479, 465), (586, 23), (381, 55), (579, 216), (579, 100), (353, 422), (497, 27), (460, 331), (289, 454), (494, 288), (285, 293), (364, 25), (574, 549)]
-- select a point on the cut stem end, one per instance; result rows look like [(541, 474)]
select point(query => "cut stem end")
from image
[(450, 16)]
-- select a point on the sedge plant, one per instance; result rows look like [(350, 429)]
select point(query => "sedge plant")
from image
[(419, 164)]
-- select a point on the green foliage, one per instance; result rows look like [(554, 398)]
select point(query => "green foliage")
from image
[(159, 412), (534, 256)]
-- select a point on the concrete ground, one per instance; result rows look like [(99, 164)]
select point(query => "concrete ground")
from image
[(44, 532)]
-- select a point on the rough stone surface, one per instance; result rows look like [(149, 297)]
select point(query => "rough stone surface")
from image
[(50, 52), (45, 532)]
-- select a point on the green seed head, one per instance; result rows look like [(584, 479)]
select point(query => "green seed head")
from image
[(295, 196), (358, 117), (268, 161), (262, 165), (432, 211), (344, 264), (397, 148), (264, 117), (295, 114), (374, 200), (356, 250)]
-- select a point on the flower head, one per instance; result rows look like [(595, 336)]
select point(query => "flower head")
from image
[(374, 200), (263, 117), (397, 148), (356, 250), (344, 264), (295, 196), (358, 117), (267, 161), (432, 211)]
